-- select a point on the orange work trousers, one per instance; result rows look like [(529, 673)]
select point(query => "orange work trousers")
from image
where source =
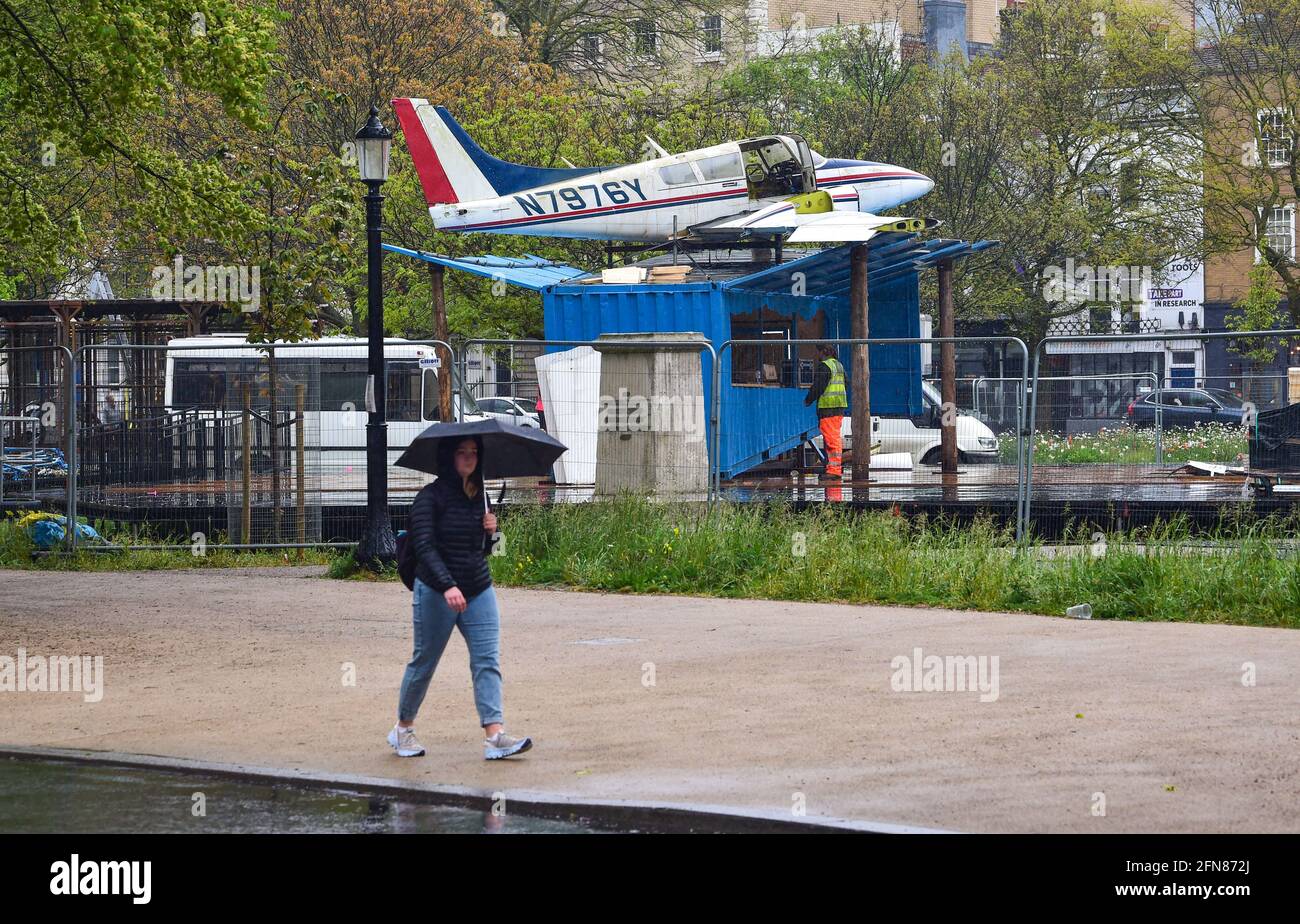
[(834, 443)]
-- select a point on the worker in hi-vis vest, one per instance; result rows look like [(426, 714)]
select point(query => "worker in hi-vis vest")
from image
[(832, 398)]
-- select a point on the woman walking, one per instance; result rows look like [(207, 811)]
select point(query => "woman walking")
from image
[(450, 530)]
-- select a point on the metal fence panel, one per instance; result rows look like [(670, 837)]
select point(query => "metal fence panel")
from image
[(273, 448), (247, 445), (184, 446), (904, 473), (1131, 451), (34, 416)]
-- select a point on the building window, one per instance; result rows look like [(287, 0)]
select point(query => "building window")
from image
[(1279, 232), (1275, 139), (647, 36), (591, 48), (711, 38)]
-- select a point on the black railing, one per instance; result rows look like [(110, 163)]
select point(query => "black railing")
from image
[(1081, 327), (160, 446)]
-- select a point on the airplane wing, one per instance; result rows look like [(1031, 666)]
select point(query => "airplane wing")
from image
[(845, 227), (807, 218)]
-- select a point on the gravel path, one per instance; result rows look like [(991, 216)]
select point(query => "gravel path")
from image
[(756, 704)]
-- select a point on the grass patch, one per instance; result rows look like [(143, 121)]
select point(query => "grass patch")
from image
[(1244, 574), (18, 551), (344, 567), (829, 553)]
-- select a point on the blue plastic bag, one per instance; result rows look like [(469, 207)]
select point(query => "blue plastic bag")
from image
[(46, 534)]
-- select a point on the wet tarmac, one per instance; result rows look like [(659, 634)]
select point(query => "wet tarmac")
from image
[(55, 797)]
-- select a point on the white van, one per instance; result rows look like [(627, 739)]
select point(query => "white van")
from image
[(920, 437), (205, 373)]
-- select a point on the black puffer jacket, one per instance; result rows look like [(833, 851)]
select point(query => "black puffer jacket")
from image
[(446, 527)]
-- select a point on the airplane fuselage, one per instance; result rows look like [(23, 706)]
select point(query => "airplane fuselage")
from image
[(652, 200)]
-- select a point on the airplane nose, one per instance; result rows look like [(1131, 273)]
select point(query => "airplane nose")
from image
[(900, 186), (910, 185), (917, 186)]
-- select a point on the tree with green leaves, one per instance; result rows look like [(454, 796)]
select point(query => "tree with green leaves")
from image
[(1243, 99), (1258, 309), (85, 89), (1090, 174), (1046, 146), (849, 93)]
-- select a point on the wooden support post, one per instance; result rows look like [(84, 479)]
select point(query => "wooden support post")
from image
[(947, 372), (300, 431), (246, 520), (440, 332), (860, 399)]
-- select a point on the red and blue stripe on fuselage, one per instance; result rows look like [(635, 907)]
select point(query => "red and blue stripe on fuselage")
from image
[(585, 210)]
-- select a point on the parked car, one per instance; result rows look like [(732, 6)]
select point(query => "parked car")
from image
[(920, 436), (509, 410), (1181, 408)]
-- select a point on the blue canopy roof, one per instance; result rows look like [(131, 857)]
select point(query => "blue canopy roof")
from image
[(828, 272), (530, 272)]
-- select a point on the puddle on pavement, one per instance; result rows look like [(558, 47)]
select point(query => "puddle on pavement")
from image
[(65, 797)]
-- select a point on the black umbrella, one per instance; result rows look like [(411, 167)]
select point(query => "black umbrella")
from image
[(509, 450)]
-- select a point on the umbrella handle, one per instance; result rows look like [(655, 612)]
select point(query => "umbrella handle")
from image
[(486, 511)]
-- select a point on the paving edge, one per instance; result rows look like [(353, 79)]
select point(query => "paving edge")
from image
[(649, 817)]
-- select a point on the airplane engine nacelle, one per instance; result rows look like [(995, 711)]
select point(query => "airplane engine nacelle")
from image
[(909, 224)]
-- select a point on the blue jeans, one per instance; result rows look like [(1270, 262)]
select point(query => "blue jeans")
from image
[(480, 623)]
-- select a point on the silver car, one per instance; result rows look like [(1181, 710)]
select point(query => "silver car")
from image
[(508, 409)]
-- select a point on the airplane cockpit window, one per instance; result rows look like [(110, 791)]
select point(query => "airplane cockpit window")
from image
[(677, 174), (773, 168), (721, 167)]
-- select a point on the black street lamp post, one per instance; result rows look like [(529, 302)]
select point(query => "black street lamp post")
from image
[(377, 546)]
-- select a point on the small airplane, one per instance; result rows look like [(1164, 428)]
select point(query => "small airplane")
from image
[(755, 189)]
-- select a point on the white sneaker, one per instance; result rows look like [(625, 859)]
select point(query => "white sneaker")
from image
[(503, 745), (404, 742)]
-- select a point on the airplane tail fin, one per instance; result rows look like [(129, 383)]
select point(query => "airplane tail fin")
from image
[(453, 168)]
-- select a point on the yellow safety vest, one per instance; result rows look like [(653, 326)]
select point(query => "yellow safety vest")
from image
[(834, 395)]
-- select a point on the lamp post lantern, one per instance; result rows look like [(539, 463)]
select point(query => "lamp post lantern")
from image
[(377, 546)]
